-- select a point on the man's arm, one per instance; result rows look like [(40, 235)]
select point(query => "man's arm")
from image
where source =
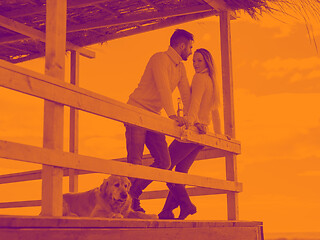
[(184, 89), (181, 120), (161, 77)]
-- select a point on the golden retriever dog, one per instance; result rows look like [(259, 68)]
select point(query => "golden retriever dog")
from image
[(110, 200)]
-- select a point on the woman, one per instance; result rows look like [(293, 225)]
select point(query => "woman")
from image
[(204, 102)]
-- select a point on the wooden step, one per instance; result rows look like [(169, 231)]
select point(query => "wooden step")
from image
[(66, 228)]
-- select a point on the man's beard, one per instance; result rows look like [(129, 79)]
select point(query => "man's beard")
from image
[(184, 56)]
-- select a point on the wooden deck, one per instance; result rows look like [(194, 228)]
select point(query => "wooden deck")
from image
[(52, 228)]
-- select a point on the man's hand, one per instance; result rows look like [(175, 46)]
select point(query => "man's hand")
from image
[(202, 128), (181, 120)]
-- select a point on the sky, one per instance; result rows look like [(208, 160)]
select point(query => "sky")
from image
[(276, 71)]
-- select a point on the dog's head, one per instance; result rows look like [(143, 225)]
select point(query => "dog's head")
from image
[(115, 190)]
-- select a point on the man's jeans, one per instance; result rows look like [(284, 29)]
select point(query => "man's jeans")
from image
[(156, 143)]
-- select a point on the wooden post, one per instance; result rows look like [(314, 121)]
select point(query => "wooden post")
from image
[(228, 102), (74, 122), (53, 112)]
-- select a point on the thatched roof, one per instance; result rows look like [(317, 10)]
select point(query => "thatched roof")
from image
[(96, 21)]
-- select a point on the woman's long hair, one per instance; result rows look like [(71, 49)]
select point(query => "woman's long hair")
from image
[(212, 73)]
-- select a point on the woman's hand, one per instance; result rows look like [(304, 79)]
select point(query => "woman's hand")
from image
[(187, 123), (202, 128)]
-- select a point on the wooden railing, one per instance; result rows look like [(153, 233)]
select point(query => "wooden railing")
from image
[(207, 153), (45, 87), (48, 88)]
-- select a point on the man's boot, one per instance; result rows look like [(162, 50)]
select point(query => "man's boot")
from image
[(135, 191)]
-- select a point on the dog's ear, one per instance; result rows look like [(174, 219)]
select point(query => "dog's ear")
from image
[(129, 184), (104, 186)]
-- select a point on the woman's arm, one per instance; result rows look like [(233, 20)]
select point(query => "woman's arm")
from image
[(197, 88), (216, 121)]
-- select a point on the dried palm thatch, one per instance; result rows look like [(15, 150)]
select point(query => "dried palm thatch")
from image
[(96, 21), (255, 8), (307, 10)]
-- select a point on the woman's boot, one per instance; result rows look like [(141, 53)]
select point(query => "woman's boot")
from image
[(186, 206), (170, 204)]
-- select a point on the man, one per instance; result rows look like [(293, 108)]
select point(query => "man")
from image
[(164, 72)]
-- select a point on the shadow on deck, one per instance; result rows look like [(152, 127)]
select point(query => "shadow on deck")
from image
[(66, 228)]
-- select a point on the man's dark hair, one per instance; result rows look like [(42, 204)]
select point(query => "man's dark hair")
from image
[(179, 36)]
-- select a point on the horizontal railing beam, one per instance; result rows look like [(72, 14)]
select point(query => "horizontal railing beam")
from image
[(192, 191), (46, 87), (19, 204), (148, 195), (32, 154), (20, 177), (207, 153), (29, 176)]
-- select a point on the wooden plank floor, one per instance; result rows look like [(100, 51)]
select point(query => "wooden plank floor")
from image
[(66, 228)]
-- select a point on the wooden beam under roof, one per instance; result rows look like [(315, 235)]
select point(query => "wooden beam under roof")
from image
[(25, 58), (126, 20), (139, 18), (18, 49), (148, 2), (219, 5), (42, 9), (12, 38), (164, 23), (141, 29), (39, 35), (106, 9)]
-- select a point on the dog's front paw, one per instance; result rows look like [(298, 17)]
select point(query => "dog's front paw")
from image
[(117, 215), (153, 216)]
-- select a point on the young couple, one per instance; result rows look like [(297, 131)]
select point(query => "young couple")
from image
[(164, 72)]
